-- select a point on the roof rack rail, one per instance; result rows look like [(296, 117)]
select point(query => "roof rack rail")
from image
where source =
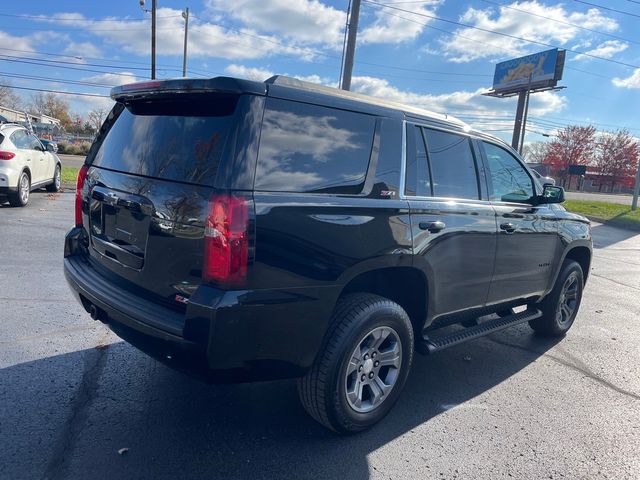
[(292, 82)]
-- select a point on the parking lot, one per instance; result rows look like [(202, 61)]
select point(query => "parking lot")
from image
[(73, 396)]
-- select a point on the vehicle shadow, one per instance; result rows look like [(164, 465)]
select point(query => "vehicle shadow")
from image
[(606, 235), (67, 416)]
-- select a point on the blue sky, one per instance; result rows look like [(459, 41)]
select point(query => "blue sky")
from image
[(415, 52)]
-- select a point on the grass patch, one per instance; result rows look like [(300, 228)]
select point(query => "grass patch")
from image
[(69, 175), (606, 212)]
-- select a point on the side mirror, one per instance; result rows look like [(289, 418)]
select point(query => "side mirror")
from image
[(552, 194), (51, 148)]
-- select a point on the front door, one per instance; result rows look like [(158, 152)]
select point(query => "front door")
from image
[(528, 241), (454, 229)]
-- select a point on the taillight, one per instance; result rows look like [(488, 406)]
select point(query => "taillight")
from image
[(82, 176), (6, 155), (226, 240)]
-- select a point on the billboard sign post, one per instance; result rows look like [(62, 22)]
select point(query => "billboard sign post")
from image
[(522, 76)]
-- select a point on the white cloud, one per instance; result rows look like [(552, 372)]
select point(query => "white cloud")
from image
[(205, 39), (606, 49), (261, 74), (459, 102), (632, 81), (396, 27), (250, 73), (112, 79), (305, 21), (17, 43), (82, 49), (478, 44)]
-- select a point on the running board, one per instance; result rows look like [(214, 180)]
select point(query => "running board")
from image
[(433, 345)]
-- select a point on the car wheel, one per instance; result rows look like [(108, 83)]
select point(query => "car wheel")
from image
[(21, 197), (55, 185), (363, 365), (560, 307)]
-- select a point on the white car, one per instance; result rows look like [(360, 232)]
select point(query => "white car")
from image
[(25, 164)]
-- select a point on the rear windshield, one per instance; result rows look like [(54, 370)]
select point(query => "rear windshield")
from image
[(174, 140)]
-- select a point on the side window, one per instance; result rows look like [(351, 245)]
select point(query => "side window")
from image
[(418, 180), (20, 139), (509, 179), (309, 148), (34, 143), (453, 167)]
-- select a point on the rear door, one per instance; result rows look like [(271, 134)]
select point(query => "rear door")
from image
[(40, 160), (528, 241), (454, 230), (149, 187)]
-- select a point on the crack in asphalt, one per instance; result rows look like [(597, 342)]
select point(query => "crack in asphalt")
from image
[(573, 363), (94, 363)]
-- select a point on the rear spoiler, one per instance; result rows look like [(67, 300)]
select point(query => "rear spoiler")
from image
[(187, 85)]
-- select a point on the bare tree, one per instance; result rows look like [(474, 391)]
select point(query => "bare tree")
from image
[(617, 156), (96, 117), (535, 152), (8, 97), (52, 105)]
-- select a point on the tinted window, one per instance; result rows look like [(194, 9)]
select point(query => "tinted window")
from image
[(453, 167), (20, 139), (182, 141), (509, 179), (308, 148), (418, 180)]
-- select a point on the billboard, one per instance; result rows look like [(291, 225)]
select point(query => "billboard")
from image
[(542, 69)]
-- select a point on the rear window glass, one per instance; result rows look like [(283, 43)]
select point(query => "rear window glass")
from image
[(309, 148), (173, 140)]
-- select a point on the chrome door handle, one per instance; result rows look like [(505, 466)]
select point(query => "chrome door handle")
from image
[(508, 227), (433, 227)]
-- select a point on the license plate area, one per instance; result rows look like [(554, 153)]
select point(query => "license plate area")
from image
[(119, 225)]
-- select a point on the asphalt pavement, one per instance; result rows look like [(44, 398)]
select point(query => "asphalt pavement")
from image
[(77, 403), (622, 199)]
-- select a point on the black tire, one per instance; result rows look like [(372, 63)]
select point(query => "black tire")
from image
[(21, 197), (55, 185), (560, 307), (323, 390)]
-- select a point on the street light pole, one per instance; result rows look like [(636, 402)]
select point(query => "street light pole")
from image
[(185, 15)]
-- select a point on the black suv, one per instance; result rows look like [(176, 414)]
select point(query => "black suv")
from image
[(243, 231)]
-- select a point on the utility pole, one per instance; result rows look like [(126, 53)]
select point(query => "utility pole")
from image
[(524, 120), (515, 140), (636, 190), (153, 34), (354, 15), (185, 15), (153, 39)]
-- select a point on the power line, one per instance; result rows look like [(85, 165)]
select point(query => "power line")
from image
[(494, 32), (88, 20), (502, 5), (54, 80), (608, 8), (63, 66), (57, 91)]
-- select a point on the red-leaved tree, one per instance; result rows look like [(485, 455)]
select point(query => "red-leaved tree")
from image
[(574, 145), (617, 157)]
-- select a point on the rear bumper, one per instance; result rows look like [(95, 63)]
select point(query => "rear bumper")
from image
[(224, 336)]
